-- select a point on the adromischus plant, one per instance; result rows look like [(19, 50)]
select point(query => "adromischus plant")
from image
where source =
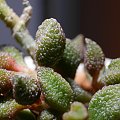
[(50, 92)]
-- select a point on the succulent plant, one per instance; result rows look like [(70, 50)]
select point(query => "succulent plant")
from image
[(15, 53), (57, 91), (105, 104), (50, 92), (70, 60), (115, 63), (8, 109), (25, 114), (77, 112), (47, 115), (9, 62), (26, 90), (93, 56), (50, 40), (79, 94), (78, 43), (5, 81), (111, 75), (93, 61)]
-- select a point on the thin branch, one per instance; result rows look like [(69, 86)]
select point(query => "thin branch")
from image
[(18, 25), (27, 12), (7, 14)]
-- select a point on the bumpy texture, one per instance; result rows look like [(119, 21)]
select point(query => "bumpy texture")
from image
[(70, 60), (111, 75), (105, 104), (78, 43), (57, 91), (79, 94), (115, 64), (50, 41), (5, 81), (26, 89), (46, 115), (77, 112), (7, 61), (93, 56), (15, 53), (9, 109)]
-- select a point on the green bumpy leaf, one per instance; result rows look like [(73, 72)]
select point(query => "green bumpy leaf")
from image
[(15, 53), (115, 64), (79, 94), (77, 112), (46, 115), (105, 104), (70, 60), (9, 63), (78, 43), (50, 41), (111, 75), (5, 81), (9, 109), (93, 56), (57, 91), (6, 61), (25, 114), (26, 89)]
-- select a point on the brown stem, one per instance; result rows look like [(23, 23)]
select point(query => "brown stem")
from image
[(95, 84)]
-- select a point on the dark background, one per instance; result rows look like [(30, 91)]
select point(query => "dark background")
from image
[(96, 19)]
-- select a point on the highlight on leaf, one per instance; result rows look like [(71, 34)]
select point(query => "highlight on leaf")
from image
[(105, 104), (57, 91), (26, 90), (50, 40)]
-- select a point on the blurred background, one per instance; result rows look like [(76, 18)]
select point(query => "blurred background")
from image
[(96, 19)]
